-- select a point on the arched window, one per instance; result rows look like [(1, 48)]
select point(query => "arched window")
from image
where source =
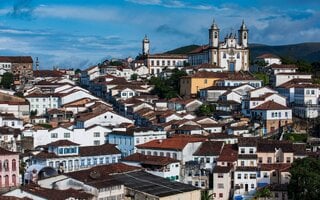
[(14, 165), (245, 36), (6, 181), (215, 35), (14, 179), (6, 165)]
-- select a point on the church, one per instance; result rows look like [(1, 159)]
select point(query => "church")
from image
[(232, 54)]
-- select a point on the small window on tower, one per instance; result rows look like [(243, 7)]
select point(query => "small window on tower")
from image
[(215, 35), (245, 35)]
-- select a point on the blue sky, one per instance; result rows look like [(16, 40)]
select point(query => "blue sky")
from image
[(69, 33)]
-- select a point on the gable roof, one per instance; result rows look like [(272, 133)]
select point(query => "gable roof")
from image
[(271, 105), (60, 143), (175, 143), (104, 149), (209, 148), (149, 160)]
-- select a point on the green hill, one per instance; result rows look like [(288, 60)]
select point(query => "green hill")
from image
[(309, 52), (183, 50)]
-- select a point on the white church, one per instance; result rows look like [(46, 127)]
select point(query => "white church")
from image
[(232, 54)]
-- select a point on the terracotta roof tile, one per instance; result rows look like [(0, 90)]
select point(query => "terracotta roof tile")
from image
[(150, 160), (229, 153), (62, 143), (209, 148), (271, 105)]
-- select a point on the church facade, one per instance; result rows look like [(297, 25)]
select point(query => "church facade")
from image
[(232, 54)]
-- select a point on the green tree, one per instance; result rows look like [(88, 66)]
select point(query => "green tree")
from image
[(167, 88), (261, 63), (205, 110), (134, 77), (205, 195), (116, 63), (7, 80), (263, 193), (262, 76), (305, 179), (77, 71)]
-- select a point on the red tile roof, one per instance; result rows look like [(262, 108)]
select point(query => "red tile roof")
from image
[(176, 143), (209, 148), (105, 149), (6, 152), (16, 59), (150, 160), (268, 55), (56, 194), (62, 143), (271, 105), (229, 153)]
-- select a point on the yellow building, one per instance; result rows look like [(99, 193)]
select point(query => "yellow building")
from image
[(191, 85)]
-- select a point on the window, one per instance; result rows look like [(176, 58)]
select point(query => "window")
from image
[(215, 34), (220, 175), (242, 150), (252, 176), (308, 92), (163, 63), (220, 185), (107, 160), (6, 165), (272, 114), (220, 195), (168, 63), (167, 154), (238, 55), (239, 176), (207, 160), (196, 183), (158, 62), (95, 161), (252, 186), (54, 135), (251, 150), (260, 159), (269, 160), (286, 114), (242, 163), (88, 161), (288, 160), (14, 165), (113, 159), (152, 63), (96, 142), (155, 153), (312, 91), (161, 154), (224, 55), (96, 134), (205, 81), (245, 176), (66, 135), (174, 155)]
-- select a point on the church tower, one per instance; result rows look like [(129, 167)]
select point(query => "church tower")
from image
[(243, 35), (213, 43), (145, 45)]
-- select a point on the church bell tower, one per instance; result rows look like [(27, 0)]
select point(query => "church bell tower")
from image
[(145, 45)]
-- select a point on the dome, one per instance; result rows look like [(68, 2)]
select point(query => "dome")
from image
[(214, 25)]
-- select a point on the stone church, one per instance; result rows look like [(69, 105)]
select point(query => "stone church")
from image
[(232, 54)]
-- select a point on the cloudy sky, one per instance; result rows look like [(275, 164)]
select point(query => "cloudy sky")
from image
[(80, 33)]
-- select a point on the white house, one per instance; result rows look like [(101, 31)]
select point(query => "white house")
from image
[(93, 135), (164, 167), (41, 102), (306, 100), (67, 156), (180, 148), (103, 118)]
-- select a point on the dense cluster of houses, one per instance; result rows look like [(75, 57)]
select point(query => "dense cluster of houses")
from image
[(104, 134)]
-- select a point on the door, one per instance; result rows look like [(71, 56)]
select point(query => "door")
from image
[(231, 67), (246, 187)]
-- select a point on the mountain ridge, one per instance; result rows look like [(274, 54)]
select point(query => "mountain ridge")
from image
[(308, 51)]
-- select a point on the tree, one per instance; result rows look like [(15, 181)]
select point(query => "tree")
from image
[(263, 193), (205, 110), (305, 179), (134, 77), (205, 195), (77, 71), (167, 88), (7, 80)]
